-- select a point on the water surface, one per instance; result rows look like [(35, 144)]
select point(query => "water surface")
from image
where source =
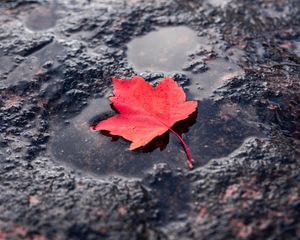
[(163, 50), (218, 3), (179, 50), (41, 17), (214, 131)]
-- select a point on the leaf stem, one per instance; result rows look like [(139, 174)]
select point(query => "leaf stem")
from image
[(186, 148)]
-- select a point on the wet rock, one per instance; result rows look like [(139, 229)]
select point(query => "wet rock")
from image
[(55, 61), (196, 66), (181, 79)]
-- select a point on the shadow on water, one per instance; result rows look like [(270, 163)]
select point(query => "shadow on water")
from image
[(89, 150), (217, 132)]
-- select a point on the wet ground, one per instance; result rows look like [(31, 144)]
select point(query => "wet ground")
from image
[(60, 180)]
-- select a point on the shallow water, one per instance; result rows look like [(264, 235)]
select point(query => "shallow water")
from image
[(204, 84), (217, 132), (170, 50), (41, 17), (213, 131), (89, 150), (163, 50), (218, 3)]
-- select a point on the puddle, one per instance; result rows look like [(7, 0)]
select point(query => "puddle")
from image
[(204, 84), (218, 3), (91, 151), (169, 50), (297, 48), (163, 50), (47, 57), (213, 135), (214, 131), (41, 17)]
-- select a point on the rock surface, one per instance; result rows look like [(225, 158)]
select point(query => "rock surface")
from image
[(55, 56)]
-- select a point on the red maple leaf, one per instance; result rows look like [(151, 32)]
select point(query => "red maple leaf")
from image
[(146, 112)]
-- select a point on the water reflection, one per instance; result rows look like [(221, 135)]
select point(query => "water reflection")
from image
[(164, 50), (217, 132), (179, 50), (219, 128)]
